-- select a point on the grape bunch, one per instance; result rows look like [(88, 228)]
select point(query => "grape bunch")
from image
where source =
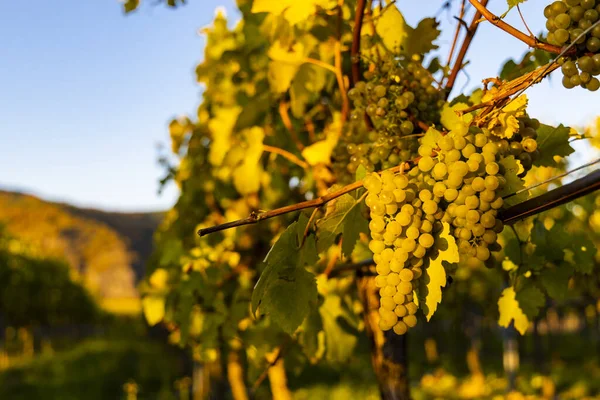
[(567, 20), (523, 145), (397, 90), (457, 180), (402, 227)]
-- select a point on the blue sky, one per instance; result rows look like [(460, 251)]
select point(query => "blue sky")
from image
[(86, 93)]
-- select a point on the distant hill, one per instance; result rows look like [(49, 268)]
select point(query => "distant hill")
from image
[(108, 250)]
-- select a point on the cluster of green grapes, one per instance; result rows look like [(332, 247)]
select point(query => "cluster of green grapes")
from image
[(567, 20), (523, 145), (397, 92), (402, 227), (456, 181)]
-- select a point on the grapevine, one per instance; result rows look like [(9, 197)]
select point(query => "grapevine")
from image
[(396, 91), (574, 22)]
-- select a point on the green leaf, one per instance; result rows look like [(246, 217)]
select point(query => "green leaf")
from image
[(581, 252), (530, 61), (332, 224), (556, 280), (289, 297), (549, 244), (286, 61), (309, 336), (308, 254), (434, 275), (552, 141), (452, 121), (391, 28), (306, 86), (510, 310), (513, 182), (399, 37), (530, 299), (420, 39), (277, 258), (285, 290), (354, 225), (340, 337)]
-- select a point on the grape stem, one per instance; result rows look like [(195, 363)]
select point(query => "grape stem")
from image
[(511, 30), (458, 63)]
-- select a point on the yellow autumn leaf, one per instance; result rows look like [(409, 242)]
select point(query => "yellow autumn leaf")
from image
[(154, 309), (220, 128), (430, 289), (247, 175), (320, 152), (294, 11), (504, 123), (158, 279), (510, 310), (391, 28)]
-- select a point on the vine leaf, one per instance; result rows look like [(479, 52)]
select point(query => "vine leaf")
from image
[(154, 309), (420, 40), (246, 176), (286, 61), (513, 182), (285, 290), (397, 36), (556, 280), (340, 337), (552, 141), (320, 152), (221, 127), (306, 85), (341, 217), (550, 244), (292, 10), (530, 299), (434, 276), (452, 121), (581, 253), (391, 28), (509, 309), (354, 225), (289, 297), (504, 123)]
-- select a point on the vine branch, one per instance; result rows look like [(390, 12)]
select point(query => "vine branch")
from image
[(511, 30), (551, 199), (458, 63), (318, 202), (355, 49), (287, 155)]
